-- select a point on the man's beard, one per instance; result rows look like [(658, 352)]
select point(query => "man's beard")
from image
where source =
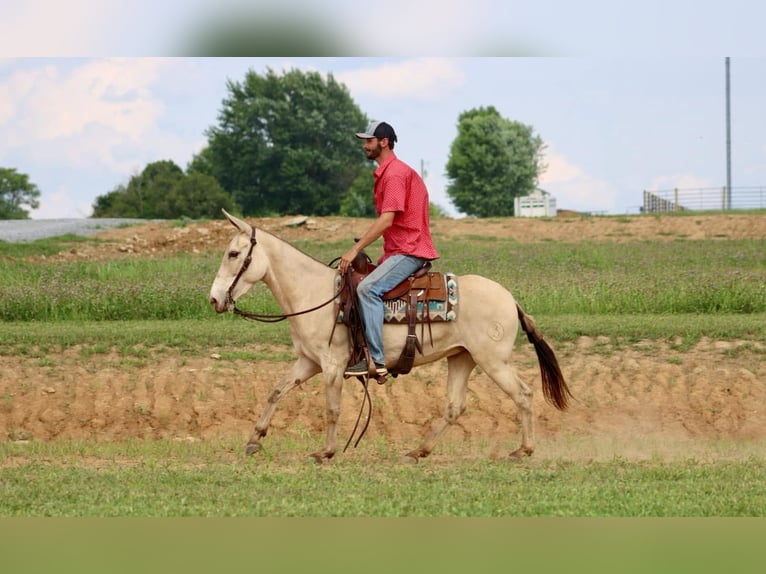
[(375, 152)]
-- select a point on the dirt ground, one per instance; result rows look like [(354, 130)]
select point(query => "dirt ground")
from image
[(158, 239), (642, 401)]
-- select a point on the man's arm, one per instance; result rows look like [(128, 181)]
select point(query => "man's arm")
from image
[(383, 222)]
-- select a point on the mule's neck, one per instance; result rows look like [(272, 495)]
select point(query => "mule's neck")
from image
[(297, 280)]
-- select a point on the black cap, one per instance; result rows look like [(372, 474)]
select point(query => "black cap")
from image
[(378, 130)]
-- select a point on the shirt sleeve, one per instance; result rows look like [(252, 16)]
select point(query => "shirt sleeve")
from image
[(394, 194)]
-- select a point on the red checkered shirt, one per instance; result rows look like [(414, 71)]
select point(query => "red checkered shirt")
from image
[(400, 189)]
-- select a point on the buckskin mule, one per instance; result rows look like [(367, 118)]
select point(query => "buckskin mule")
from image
[(482, 335)]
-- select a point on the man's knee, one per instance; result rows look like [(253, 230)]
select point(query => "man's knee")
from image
[(364, 291)]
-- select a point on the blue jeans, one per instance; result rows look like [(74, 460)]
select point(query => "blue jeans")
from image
[(370, 291)]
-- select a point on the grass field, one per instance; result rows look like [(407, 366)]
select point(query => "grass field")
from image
[(678, 291), (592, 278), (166, 479)]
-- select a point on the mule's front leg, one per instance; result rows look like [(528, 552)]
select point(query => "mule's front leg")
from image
[(333, 391), (302, 370)]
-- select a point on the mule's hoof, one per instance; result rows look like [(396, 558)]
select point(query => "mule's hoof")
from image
[(252, 448), (412, 457), (319, 457), (519, 454)]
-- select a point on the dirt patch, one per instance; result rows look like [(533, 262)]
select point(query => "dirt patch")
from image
[(641, 401), (158, 239), (636, 402)]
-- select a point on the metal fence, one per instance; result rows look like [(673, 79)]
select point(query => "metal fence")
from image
[(704, 199)]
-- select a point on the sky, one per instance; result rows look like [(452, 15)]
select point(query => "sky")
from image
[(622, 103)]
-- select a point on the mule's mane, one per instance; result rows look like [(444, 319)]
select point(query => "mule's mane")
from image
[(298, 250)]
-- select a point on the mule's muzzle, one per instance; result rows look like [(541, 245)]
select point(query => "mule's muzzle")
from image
[(221, 306)]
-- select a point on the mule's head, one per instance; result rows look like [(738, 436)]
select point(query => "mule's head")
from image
[(222, 296)]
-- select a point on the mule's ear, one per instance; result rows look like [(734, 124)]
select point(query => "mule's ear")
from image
[(238, 223)]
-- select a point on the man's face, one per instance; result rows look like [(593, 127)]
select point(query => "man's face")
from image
[(372, 148)]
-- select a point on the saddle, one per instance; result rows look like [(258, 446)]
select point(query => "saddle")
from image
[(413, 295)]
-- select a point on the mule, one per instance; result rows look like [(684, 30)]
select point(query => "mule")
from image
[(483, 335)]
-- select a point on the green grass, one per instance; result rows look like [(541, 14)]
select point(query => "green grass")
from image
[(679, 291), (42, 247), (164, 479), (592, 278), (230, 333)]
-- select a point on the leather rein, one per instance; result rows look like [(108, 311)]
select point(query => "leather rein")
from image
[(266, 318)]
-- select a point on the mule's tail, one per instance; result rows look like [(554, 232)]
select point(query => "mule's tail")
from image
[(555, 389)]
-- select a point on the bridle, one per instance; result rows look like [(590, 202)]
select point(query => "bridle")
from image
[(266, 318)]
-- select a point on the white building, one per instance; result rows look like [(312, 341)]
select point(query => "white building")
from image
[(538, 204)]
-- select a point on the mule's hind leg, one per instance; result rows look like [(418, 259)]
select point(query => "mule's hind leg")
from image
[(459, 368), (505, 376), (302, 370)]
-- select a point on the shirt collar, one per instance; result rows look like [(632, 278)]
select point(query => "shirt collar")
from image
[(382, 167)]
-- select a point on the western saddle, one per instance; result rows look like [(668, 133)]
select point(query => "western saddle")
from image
[(416, 291)]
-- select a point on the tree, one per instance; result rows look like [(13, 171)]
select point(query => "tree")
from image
[(491, 161), (202, 162), (284, 143), (359, 201), (16, 191), (198, 195), (163, 191)]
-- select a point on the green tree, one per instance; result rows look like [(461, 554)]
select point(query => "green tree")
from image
[(202, 162), (491, 161), (284, 143), (16, 191), (163, 191), (359, 201), (115, 203), (145, 195), (197, 196)]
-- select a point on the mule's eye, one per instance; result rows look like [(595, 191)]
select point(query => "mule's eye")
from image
[(233, 254)]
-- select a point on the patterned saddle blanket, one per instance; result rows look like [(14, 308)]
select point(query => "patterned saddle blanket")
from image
[(436, 294)]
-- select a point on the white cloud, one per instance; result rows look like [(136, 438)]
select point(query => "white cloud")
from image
[(113, 94), (81, 127), (573, 188), (82, 116), (61, 204), (559, 169), (422, 78)]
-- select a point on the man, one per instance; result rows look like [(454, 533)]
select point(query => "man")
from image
[(401, 202)]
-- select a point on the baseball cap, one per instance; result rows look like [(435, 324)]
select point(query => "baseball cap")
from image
[(378, 130)]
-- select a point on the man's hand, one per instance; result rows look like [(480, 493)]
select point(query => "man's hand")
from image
[(347, 258), (375, 230)]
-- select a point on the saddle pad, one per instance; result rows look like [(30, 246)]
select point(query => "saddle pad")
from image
[(395, 310)]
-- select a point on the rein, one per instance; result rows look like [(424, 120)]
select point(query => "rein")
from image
[(266, 318)]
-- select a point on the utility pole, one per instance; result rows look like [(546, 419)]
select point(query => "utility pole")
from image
[(728, 136)]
